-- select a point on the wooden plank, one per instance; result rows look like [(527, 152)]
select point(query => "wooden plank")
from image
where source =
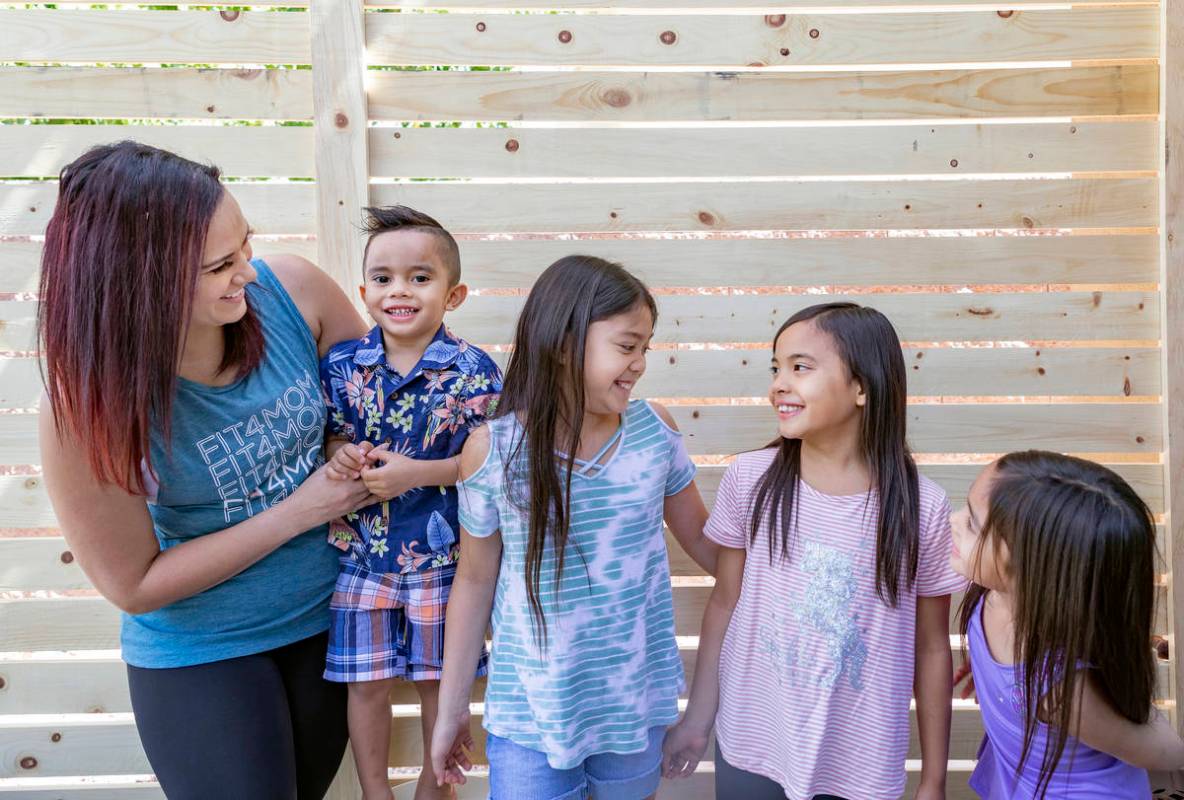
[(981, 260), (783, 205), (949, 372), (1035, 316), (119, 93), (1084, 428), (750, 95), (739, 41), (240, 151), (174, 37), (713, 5), (279, 208), (339, 98), (752, 152), (1172, 229)]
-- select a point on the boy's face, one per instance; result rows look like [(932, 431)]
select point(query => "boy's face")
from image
[(407, 286)]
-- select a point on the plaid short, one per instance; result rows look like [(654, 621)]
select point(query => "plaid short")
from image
[(389, 625)]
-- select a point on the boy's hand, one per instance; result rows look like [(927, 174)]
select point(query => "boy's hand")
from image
[(389, 474), (348, 460)]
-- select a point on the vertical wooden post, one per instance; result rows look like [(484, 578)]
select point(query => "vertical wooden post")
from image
[(343, 180), (1172, 282), (340, 115)]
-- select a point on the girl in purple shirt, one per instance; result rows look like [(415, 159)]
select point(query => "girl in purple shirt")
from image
[(1061, 552)]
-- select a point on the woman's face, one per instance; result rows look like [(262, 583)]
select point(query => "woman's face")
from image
[(225, 268)]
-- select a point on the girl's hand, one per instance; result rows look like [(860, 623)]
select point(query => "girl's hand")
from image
[(683, 749), (323, 497), (452, 742), (963, 673), (347, 461), (396, 475)]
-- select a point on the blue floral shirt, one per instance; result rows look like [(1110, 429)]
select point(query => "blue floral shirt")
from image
[(426, 414)]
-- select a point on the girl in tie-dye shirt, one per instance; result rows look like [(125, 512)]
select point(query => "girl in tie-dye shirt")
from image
[(562, 501)]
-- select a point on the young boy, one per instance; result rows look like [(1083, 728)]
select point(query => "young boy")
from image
[(401, 400)]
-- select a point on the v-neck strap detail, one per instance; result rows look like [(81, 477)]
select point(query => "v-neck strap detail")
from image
[(593, 466)]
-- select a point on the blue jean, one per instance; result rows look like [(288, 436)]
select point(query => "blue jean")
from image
[(519, 773)]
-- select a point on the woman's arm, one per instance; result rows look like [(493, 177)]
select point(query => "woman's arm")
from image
[(329, 314), (686, 742), (1154, 745), (686, 515), (111, 532), (933, 686)]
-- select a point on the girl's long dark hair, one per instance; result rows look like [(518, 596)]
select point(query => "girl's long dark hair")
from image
[(544, 389), (868, 345), (1081, 558), (119, 270)]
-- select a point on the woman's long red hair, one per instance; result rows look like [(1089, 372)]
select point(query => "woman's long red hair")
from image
[(119, 271)]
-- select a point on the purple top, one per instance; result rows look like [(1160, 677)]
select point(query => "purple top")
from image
[(1089, 775)]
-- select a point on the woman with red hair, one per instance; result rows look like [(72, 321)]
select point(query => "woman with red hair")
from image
[(181, 437)]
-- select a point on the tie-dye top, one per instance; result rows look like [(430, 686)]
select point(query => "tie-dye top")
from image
[(610, 670)]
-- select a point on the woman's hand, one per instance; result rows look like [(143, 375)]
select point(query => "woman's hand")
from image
[(324, 496), (452, 743)]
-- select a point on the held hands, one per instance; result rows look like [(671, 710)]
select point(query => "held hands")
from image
[(452, 741), (963, 673), (324, 496), (348, 462), (683, 749), (388, 474)]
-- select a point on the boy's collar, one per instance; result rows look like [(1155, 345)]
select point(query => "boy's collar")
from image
[(371, 351)]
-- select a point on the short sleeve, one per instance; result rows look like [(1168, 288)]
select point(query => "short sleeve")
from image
[(477, 498), (682, 469), (935, 576), (726, 525), (336, 424)]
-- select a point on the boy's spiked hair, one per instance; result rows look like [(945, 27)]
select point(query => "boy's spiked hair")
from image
[(384, 219)]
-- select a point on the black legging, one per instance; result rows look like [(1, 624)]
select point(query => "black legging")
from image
[(733, 783), (259, 727)]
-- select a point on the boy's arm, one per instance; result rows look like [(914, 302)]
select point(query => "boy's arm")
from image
[(933, 688)]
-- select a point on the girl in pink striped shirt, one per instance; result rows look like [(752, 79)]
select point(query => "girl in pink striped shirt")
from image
[(832, 587)]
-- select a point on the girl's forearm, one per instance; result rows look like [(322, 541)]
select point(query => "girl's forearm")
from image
[(469, 607), (704, 698)]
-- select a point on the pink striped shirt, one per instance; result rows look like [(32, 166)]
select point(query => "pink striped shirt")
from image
[(816, 672)]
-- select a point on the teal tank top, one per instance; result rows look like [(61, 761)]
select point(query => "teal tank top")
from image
[(235, 451)]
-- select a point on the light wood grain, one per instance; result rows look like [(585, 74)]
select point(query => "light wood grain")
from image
[(741, 41), (789, 205), (752, 152), (251, 151), (339, 98), (280, 208), (118, 93), (174, 37), (750, 95), (910, 261)]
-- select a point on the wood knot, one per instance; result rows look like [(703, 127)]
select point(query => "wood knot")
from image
[(784, 51), (28, 762), (210, 109), (1072, 129), (1139, 439), (706, 218), (617, 98), (229, 16), (612, 214), (775, 20), (3, 682), (480, 27), (1161, 647), (1096, 299), (908, 207), (1040, 370), (814, 33), (668, 37), (694, 415), (340, 120), (565, 36), (757, 64), (984, 311), (67, 557), (954, 163), (511, 145), (672, 359), (30, 483), (920, 354), (1027, 222), (56, 737), (1126, 387), (1005, 14), (398, 135)]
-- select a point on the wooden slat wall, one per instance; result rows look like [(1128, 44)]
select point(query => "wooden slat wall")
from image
[(989, 178)]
